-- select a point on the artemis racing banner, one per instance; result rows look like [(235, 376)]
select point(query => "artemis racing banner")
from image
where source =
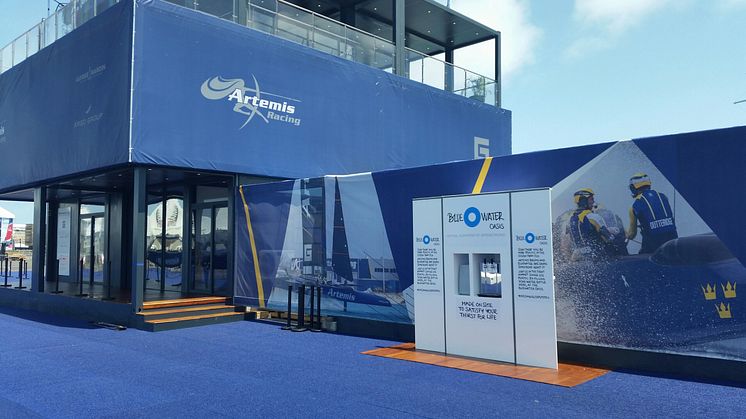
[(212, 94)]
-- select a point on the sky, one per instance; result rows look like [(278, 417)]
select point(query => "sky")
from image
[(579, 72)]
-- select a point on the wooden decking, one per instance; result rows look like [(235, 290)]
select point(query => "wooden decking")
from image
[(568, 375), (187, 312), (152, 305)]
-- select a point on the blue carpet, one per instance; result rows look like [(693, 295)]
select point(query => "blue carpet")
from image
[(57, 367)]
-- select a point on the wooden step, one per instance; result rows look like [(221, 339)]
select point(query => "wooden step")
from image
[(199, 317), (188, 309), (151, 305)]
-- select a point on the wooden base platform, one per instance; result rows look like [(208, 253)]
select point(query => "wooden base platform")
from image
[(568, 375)]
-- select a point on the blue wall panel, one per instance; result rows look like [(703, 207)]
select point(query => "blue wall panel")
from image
[(65, 109)]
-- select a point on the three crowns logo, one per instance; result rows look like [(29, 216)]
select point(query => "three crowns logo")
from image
[(729, 291)]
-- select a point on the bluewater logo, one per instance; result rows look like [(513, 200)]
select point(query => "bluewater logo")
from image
[(472, 217), (530, 237), (251, 101), (426, 240)]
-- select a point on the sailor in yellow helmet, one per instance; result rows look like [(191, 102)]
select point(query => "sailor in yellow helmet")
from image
[(652, 211), (588, 229)]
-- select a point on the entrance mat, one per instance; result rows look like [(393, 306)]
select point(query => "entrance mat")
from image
[(568, 375)]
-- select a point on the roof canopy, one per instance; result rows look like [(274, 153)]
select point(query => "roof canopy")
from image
[(430, 27)]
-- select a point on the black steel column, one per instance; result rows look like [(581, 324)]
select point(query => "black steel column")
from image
[(139, 207), (186, 241), (75, 254), (498, 82), (449, 84), (400, 63), (230, 271), (40, 238), (164, 212), (51, 254)]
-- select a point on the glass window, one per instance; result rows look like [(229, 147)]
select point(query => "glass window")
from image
[(220, 8), (50, 29), (6, 58), (33, 40), (102, 5), (64, 21), (83, 11), (293, 30), (19, 50)]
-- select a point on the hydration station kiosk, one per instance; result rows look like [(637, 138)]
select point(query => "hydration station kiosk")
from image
[(483, 277)]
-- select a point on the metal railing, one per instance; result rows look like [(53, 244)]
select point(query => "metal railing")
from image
[(54, 27), (316, 31), (284, 20)]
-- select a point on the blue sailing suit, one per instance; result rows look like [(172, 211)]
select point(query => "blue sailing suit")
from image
[(653, 212), (589, 233)]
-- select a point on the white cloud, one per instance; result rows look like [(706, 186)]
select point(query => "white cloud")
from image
[(616, 15), (728, 5), (584, 46), (519, 37), (604, 21)]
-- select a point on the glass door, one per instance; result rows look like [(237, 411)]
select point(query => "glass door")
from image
[(210, 249), (98, 254), (202, 248), (92, 248), (86, 248), (164, 242)]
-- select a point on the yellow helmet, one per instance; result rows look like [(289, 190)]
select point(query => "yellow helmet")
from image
[(637, 181), (581, 197)]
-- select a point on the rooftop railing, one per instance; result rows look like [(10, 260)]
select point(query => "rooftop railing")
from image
[(284, 20), (54, 27)]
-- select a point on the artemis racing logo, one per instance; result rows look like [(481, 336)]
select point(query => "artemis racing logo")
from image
[(249, 101)]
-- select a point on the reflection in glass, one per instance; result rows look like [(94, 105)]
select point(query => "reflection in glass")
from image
[(50, 29), (83, 11), (202, 249), (220, 252), (86, 246), (164, 244), (153, 243), (99, 250)]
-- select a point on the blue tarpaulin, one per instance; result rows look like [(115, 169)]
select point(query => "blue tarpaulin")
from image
[(65, 109), (211, 94)]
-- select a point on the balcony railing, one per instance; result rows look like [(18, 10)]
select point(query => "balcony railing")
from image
[(316, 31), (283, 20), (54, 27)]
